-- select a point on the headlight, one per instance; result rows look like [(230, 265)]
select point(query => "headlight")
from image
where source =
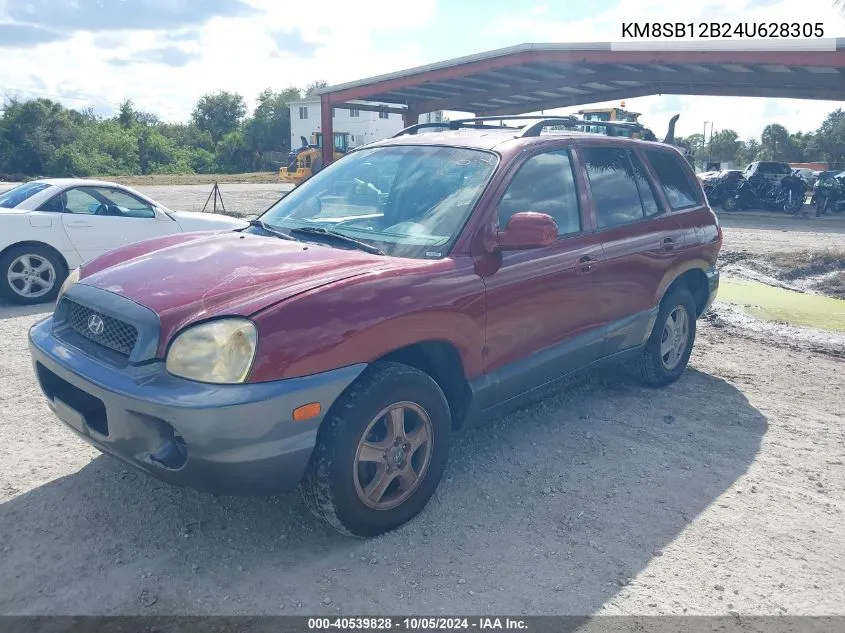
[(219, 351), (72, 278)]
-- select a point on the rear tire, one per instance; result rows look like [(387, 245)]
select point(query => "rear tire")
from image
[(792, 207), (30, 275), (730, 204), (668, 349), (356, 450)]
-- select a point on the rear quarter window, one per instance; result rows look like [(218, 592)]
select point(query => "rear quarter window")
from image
[(13, 197), (674, 179)]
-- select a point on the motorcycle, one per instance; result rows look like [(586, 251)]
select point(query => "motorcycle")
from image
[(721, 188), (791, 194), (742, 197), (786, 195), (829, 195)]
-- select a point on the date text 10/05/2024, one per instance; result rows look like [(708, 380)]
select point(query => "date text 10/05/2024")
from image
[(723, 30), (416, 623)]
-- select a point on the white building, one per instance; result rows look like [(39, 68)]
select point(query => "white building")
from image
[(363, 126)]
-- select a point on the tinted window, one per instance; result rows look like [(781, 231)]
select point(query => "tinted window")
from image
[(14, 196), (619, 187), (674, 179), (545, 184), (773, 168)]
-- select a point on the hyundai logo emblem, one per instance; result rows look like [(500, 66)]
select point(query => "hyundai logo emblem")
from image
[(95, 324)]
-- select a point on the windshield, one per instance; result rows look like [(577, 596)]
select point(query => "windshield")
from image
[(14, 196), (408, 201)]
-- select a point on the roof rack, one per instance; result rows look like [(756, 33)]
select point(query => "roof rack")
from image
[(534, 129)]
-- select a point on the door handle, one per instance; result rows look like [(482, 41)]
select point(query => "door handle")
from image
[(586, 264), (668, 243), (79, 224)]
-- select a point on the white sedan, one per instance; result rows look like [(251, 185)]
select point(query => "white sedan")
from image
[(49, 227)]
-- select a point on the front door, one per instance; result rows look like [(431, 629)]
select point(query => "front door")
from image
[(98, 219), (543, 304)]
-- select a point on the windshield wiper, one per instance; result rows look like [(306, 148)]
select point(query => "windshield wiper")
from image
[(266, 227), (340, 237)]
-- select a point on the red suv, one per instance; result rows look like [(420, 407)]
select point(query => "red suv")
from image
[(414, 285)]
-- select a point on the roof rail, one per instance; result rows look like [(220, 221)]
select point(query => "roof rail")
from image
[(451, 125), (535, 129)]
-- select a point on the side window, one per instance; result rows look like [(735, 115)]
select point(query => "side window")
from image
[(80, 201), (673, 179), (647, 197), (620, 190), (56, 204), (545, 183), (106, 202), (125, 205)]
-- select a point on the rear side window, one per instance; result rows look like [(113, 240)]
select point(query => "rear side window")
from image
[(674, 179), (620, 189)]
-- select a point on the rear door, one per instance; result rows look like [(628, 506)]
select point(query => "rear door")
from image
[(98, 219), (641, 240)]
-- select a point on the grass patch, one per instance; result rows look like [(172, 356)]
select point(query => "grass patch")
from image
[(801, 264)]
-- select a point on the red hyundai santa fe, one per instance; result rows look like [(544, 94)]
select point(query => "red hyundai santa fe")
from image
[(413, 286)]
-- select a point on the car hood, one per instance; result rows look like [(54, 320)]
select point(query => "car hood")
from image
[(197, 276), (192, 221)]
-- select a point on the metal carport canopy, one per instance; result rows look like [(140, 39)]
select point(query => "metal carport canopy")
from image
[(533, 77)]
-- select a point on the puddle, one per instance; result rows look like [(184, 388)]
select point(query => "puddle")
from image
[(782, 305)]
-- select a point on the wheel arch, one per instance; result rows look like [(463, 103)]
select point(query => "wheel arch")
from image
[(441, 360), (693, 278)]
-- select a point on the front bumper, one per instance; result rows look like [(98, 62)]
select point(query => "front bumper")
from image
[(225, 439)]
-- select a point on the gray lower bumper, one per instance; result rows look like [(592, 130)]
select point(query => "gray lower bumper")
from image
[(226, 439)]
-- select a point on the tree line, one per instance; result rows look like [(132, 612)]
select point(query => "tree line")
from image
[(41, 137), (776, 143)]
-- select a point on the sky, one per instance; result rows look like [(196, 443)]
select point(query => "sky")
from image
[(165, 54)]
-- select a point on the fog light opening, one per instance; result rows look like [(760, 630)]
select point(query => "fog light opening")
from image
[(172, 454)]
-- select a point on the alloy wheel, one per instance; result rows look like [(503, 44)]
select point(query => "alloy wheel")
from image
[(675, 337), (31, 276), (393, 456)]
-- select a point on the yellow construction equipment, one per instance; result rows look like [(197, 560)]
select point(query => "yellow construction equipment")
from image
[(613, 114), (307, 160)]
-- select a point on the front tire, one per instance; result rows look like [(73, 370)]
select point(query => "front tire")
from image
[(380, 452), (31, 274), (730, 204), (793, 203), (668, 349)]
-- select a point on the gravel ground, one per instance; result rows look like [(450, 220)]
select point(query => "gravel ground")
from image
[(724, 492), (238, 198)]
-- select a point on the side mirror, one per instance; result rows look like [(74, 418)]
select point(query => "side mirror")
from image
[(528, 229)]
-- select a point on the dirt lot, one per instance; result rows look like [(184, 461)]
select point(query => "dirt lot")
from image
[(724, 492), (238, 198)]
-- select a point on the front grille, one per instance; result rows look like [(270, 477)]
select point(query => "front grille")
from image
[(114, 333)]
